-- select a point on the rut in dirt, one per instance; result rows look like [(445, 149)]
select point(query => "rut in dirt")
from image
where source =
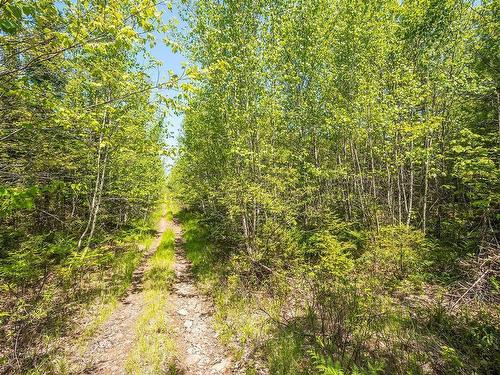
[(191, 313), (107, 352)]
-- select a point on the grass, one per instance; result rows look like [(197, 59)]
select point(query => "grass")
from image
[(154, 349), (173, 208)]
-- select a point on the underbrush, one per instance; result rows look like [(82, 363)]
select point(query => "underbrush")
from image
[(47, 285), (343, 301)]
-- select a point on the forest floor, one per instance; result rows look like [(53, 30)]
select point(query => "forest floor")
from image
[(186, 317)]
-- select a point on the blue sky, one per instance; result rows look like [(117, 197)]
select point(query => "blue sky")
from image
[(171, 61)]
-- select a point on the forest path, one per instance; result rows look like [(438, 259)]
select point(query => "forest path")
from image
[(200, 352), (108, 350), (188, 316)]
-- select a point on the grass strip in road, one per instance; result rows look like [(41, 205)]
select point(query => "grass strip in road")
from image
[(154, 349)]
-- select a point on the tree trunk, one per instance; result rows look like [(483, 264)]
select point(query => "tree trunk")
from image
[(94, 196), (410, 200), (98, 202), (426, 184)]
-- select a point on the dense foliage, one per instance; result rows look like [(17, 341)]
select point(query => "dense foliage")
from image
[(346, 153), (80, 149)]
